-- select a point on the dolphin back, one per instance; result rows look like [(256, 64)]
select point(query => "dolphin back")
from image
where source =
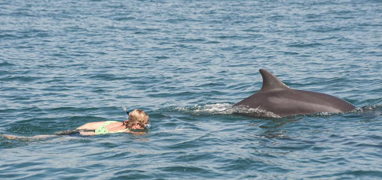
[(278, 98)]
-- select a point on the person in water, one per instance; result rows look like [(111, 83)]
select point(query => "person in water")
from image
[(138, 120)]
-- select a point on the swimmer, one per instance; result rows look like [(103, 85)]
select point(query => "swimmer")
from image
[(138, 120)]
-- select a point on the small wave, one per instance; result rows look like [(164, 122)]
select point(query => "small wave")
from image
[(375, 110), (5, 63), (255, 112), (208, 109), (226, 109), (369, 108), (321, 114)]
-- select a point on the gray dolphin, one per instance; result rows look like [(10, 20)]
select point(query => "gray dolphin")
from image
[(278, 99)]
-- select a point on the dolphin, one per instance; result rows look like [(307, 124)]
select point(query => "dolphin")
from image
[(280, 100)]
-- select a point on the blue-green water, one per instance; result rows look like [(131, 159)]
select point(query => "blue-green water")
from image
[(66, 63)]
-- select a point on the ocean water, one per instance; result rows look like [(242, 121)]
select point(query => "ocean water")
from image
[(186, 62)]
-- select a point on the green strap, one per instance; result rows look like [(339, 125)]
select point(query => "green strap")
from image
[(103, 129)]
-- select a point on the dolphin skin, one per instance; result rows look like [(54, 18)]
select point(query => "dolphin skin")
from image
[(281, 101)]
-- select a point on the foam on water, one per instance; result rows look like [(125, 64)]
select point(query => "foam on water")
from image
[(228, 109)]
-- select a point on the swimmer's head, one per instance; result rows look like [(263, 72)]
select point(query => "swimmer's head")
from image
[(138, 119)]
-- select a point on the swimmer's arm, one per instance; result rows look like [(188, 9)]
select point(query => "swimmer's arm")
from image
[(87, 133), (27, 138)]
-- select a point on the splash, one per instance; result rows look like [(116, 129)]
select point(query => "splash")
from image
[(374, 110), (216, 109), (208, 109), (226, 109)]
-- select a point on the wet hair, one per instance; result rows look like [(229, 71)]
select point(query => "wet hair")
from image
[(138, 115)]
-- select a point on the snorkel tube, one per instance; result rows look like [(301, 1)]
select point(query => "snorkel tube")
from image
[(125, 109)]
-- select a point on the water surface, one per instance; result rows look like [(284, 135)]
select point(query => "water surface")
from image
[(66, 63)]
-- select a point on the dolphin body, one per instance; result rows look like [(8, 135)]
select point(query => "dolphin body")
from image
[(279, 100)]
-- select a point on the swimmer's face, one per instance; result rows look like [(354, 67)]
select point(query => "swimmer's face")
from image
[(133, 124), (137, 126)]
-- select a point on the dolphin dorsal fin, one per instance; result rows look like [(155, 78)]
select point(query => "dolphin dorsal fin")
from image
[(270, 82)]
